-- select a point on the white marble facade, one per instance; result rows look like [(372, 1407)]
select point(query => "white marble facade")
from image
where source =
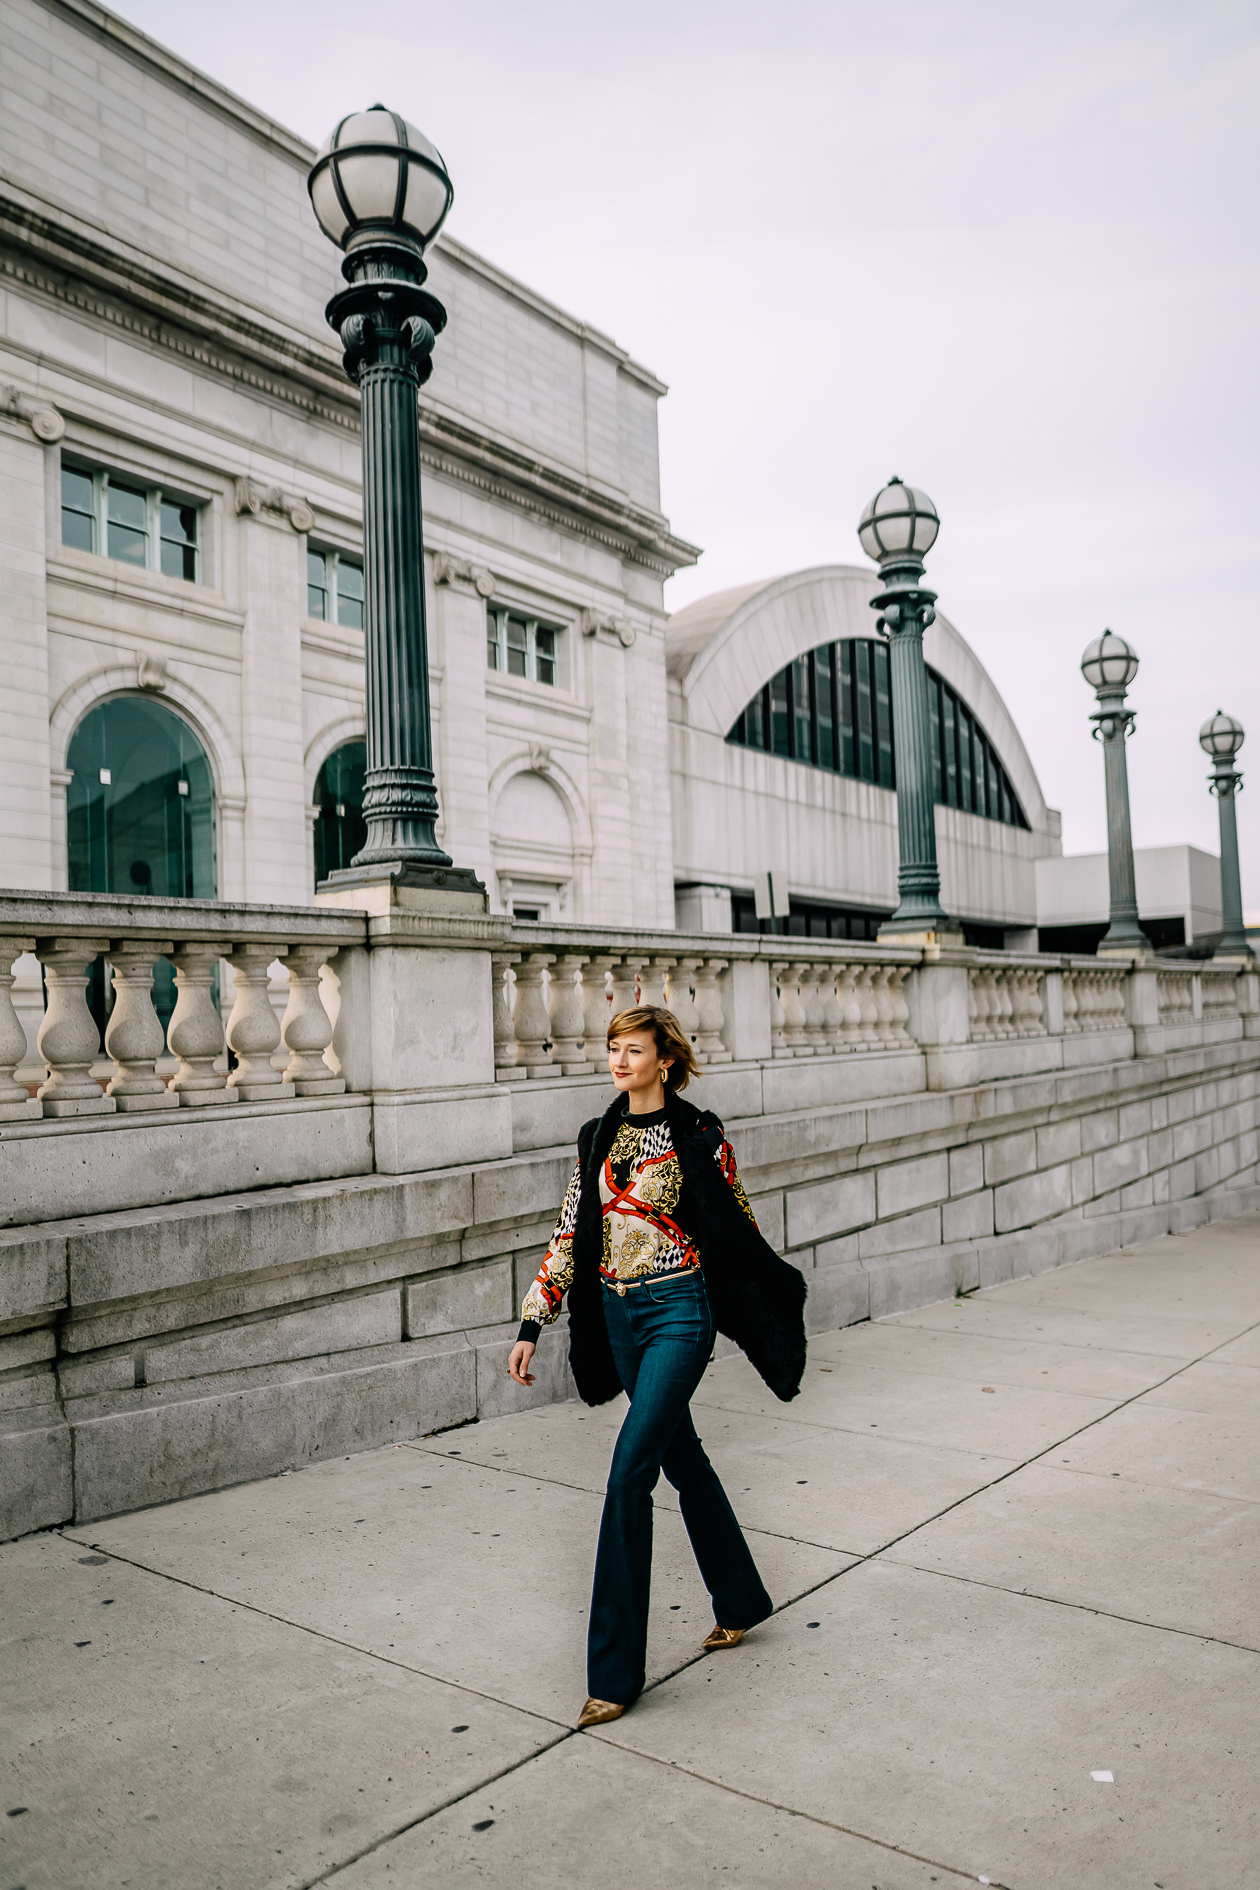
[(162, 282)]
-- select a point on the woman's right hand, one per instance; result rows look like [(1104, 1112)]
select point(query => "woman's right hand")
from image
[(518, 1362)]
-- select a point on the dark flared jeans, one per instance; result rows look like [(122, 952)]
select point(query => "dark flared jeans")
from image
[(662, 1336)]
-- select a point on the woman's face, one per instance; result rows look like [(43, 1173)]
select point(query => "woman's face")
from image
[(635, 1061)]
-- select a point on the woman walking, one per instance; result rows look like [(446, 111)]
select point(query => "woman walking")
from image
[(658, 1250)]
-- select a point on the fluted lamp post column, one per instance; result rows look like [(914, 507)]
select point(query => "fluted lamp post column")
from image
[(1221, 737), (381, 192), (898, 529), (1109, 666)]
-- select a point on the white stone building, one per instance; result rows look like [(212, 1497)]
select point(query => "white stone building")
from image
[(180, 572)]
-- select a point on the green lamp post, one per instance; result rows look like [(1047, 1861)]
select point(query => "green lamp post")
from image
[(380, 192), (1109, 666), (1221, 737), (898, 529)]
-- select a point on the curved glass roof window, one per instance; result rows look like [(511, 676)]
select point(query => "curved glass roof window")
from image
[(340, 829), (832, 708), (140, 804)]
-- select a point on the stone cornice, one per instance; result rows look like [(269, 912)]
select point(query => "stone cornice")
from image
[(57, 255)]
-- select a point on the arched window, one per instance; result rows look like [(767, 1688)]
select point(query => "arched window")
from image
[(140, 819), (140, 805), (832, 708), (340, 828)]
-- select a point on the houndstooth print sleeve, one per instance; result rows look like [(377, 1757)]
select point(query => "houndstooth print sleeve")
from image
[(555, 1275)]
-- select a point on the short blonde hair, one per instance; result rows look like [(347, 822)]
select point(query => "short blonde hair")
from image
[(671, 1039)]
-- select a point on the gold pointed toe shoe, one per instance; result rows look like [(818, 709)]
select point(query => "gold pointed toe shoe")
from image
[(599, 1712), (723, 1637)]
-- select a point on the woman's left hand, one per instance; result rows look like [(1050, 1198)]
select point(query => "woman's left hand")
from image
[(518, 1362)]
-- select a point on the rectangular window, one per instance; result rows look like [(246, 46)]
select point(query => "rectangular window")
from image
[(780, 715), (965, 726), (883, 714), (824, 705), (863, 717), (844, 693), (78, 509), (349, 575), (334, 588), (521, 646), (143, 526), (802, 743), (755, 721), (949, 746)]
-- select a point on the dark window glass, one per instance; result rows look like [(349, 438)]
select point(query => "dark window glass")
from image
[(127, 516), (147, 828), (824, 705), (178, 549), (78, 509), (949, 747), (965, 726), (993, 798), (340, 829), (517, 646), (883, 715), (864, 708), (844, 695), (802, 742), (934, 729), (755, 721), (350, 593), (780, 715), (545, 654), (317, 585)]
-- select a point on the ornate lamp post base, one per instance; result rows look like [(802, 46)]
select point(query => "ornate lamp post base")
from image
[(406, 886)]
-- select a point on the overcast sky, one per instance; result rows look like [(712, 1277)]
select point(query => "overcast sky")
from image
[(1005, 250)]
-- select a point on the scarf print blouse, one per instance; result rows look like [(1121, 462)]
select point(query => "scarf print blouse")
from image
[(644, 1216)]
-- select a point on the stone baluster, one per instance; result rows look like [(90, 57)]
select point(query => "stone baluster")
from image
[(133, 1035), (568, 1046), (833, 1010), (1005, 1006), (679, 999), (68, 1038), (779, 1045), (508, 1067), (533, 1023), (596, 1010), (15, 1103), (306, 1027), (851, 1007), (884, 1028), (253, 1029), (1071, 1006), (870, 1010), (625, 990), (195, 1032), (897, 975), (710, 1015), (794, 1033), (1034, 1005), (655, 986), (1017, 993), (813, 1006)]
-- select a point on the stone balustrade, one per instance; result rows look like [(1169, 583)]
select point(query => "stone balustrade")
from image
[(553, 1000), (1005, 1001), (1094, 995), (256, 1057)]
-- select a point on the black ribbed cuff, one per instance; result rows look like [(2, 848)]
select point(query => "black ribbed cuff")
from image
[(530, 1330)]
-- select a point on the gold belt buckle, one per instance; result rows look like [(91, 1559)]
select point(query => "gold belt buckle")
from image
[(620, 1289)]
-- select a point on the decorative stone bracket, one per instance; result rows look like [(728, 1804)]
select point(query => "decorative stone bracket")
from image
[(448, 570), (40, 415), (252, 499), (593, 623), (151, 672)]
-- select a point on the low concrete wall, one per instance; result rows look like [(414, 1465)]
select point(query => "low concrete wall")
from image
[(151, 1353)]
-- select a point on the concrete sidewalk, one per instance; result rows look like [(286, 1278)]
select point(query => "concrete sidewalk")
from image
[(1012, 1538)]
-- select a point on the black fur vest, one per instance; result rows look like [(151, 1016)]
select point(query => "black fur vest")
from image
[(757, 1298)]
